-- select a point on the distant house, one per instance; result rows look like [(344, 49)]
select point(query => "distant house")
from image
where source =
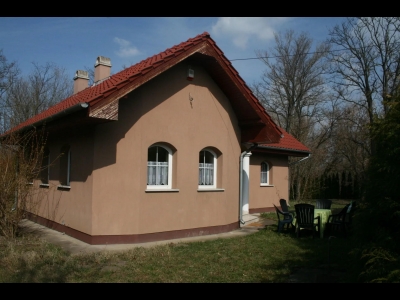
[(174, 146)]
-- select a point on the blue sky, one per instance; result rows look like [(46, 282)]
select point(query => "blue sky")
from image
[(75, 42)]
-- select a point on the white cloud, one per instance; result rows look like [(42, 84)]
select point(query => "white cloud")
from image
[(241, 29), (125, 48)]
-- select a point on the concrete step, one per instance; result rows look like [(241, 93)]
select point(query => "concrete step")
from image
[(250, 218)]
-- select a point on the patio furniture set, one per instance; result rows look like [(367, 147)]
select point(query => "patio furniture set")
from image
[(317, 218)]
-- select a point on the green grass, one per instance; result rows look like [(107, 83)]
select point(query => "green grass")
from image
[(265, 256)]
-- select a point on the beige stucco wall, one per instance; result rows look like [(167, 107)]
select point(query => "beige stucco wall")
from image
[(72, 207), (266, 196), (109, 195), (161, 111)]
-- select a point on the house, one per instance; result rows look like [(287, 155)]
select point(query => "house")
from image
[(174, 146)]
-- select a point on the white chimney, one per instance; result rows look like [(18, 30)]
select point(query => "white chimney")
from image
[(102, 68), (81, 81)]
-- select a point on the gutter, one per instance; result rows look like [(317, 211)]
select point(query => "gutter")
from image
[(285, 149), (254, 145), (304, 158), (293, 163)]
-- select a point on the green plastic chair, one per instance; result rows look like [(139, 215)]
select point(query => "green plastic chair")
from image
[(337, 222), (323, 204), (284, 218), (305, 219)]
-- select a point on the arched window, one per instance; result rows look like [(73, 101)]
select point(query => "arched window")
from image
[(207, 169), (45, 167), (265, 173), (159, 167), (65, 165)]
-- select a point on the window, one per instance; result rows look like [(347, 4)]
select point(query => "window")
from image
[(159, 167), (45, 167), (264, 173), (65, 166), (207, 169), (29, 158)]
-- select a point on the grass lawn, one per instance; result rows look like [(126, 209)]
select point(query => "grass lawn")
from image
[(265, 256)]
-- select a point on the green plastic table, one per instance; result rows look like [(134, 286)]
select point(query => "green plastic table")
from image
[(324, 214)]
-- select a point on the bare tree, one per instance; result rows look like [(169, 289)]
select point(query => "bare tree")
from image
[(292, 87), (43, 88), (8, 74), (91, 75), (350, 144), (366, 63), (293, 91), (20, 156)]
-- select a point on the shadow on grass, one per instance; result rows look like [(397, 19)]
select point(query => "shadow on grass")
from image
[(38, 272), (31, 260), (265, 256), (309, 259)]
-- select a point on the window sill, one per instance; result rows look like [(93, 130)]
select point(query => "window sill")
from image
[(63, 187), (211, 190), (162, 190), (267, 185), (29, 183), (44, 185)]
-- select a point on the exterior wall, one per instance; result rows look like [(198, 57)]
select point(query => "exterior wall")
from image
[(262, 198), (109, 201), (161, 111), (69, 207)]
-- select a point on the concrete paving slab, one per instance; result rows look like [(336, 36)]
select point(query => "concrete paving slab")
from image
[(75, 246)]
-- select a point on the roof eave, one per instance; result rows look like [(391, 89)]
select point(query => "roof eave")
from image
[(288, 151), (56, 116)]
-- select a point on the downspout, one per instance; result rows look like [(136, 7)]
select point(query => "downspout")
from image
[(241, 182)]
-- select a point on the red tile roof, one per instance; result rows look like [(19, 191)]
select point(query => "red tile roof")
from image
[(93, 94), (288, 142), (136, 73)]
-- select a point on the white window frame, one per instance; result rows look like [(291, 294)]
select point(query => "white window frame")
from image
[(263, 172), (69, 167), (68, 182), (214, 185), (47, 169), (161, 187)]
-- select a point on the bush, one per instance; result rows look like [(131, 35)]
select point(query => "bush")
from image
[(379, 220), (20, 155)]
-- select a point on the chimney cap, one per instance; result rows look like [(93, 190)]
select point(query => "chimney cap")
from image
[(81, 74), (101, 60)]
